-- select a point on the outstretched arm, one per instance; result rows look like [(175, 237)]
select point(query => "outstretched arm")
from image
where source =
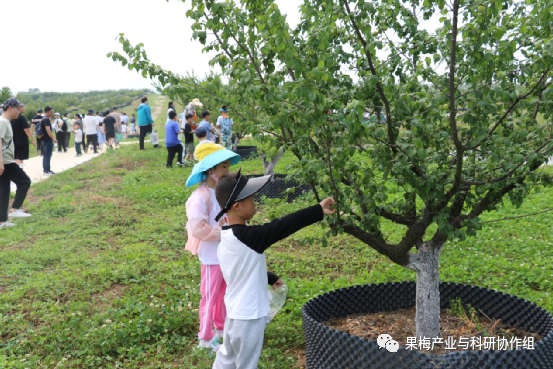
[(261, 237)]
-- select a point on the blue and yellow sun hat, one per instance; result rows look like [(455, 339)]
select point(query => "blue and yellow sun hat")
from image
[(209, 156)]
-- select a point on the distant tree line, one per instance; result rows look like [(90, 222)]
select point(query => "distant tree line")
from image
[(63, 102)]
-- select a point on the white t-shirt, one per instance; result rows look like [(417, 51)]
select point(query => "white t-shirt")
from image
[(125, 119), (246, 271), (244, 267), (79, 135), (207, 252), (90, 123), (123, 127)]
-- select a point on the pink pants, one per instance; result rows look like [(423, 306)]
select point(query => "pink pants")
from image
[(212, 307)]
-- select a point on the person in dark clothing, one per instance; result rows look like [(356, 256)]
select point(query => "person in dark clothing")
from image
[(48, 140), (36, 120), (172, 142), (66, 127), (188, 138), (21, 135), (109, 127)]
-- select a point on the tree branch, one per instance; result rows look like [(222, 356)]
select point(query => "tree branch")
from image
[(521, 216), (452, 102), (509, 173), (247, 51), (492, 197), (537, 107), (416, 169), (219, 39), (379, 88), (329, 163), (511, 107), (396, 218), (393, 252)]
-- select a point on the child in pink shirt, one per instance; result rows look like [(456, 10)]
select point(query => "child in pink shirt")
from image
[(204, 234)]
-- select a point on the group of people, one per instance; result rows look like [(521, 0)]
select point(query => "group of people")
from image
[(204, 131), (92, 130), (234, 279)]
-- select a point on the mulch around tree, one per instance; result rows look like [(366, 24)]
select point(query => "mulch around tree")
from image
[(469, 330)]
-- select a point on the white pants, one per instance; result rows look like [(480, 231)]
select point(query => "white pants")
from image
[(242, 344)]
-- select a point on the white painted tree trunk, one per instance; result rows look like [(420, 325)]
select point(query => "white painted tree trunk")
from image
[(426, 265), (236, 141), (269, 165)]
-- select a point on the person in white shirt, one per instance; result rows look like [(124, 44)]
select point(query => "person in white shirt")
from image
[(170, 107), (124, 127), (124, 118), (78, 138), (99, 118), (241, 255), (58, 126), (91, 125)]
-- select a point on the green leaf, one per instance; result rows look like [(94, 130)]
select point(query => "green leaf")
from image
[(321, 64)]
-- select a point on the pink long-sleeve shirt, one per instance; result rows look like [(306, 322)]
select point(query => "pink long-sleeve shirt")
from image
[(204, 233)]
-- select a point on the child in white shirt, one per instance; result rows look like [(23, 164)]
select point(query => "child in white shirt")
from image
[(242, 261), (124, 130), (78, 138)]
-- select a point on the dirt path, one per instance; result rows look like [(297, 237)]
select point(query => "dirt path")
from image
[(157, 107), (59, 163), (156, 112)]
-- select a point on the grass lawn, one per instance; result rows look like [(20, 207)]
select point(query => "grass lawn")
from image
[(98, 277)]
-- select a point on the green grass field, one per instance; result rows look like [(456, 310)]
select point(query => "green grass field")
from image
[(98, 277)]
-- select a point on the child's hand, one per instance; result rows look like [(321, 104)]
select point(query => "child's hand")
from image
[(278, 284), (326, 204)]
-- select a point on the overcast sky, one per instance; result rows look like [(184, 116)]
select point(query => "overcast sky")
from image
[(63, 43)]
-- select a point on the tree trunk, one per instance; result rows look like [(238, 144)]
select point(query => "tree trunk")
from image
[(269, 166), (426, 265), (236, 140)]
